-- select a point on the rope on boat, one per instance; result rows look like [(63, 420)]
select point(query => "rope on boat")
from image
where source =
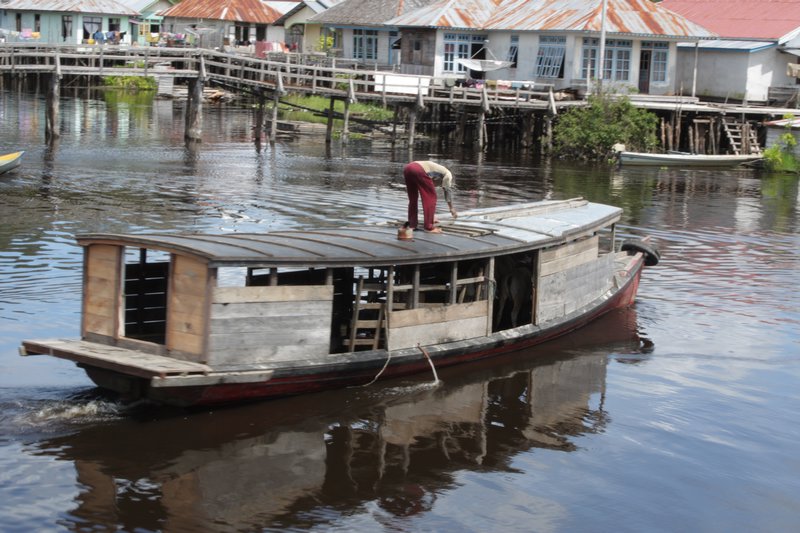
[(379, 373), (389, 357), (430, 361)]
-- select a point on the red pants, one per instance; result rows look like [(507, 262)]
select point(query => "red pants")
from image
[(418, 183)]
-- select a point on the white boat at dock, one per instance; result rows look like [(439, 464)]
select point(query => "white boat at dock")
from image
[(680, 159)]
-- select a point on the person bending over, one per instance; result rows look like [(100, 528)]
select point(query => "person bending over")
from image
[(421, 177)]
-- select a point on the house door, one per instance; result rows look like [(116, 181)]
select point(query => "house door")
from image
[(645, 60), (477, 51)]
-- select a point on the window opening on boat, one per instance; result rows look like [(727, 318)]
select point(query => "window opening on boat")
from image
[(145, 294)]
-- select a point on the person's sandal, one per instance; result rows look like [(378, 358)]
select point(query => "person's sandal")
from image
[(434, 230)]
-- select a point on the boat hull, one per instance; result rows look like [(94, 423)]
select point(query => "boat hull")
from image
[(684, 160), (10, 161), (308, 379)]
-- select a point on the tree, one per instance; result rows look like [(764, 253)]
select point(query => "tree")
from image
[(590, 132)]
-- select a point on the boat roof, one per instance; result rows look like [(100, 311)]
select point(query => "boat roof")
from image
[(475, 234)]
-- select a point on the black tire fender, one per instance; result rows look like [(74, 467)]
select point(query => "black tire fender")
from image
[(651, 254)]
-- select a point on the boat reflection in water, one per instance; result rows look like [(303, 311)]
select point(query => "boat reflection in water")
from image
[(397, 444)]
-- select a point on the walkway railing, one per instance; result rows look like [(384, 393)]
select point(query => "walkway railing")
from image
[(305, 73)]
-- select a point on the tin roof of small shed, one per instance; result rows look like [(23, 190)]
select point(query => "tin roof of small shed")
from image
[(479, 233), (237, 10)]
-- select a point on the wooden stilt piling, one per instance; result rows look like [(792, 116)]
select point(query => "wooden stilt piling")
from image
[(51, 122)]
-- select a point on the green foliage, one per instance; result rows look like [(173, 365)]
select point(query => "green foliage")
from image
[(780, 157), (324, 43), (590, 132), (135, 83), (318, 107)]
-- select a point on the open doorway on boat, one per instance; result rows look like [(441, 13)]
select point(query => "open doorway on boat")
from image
[(145, 294), (515, 276)]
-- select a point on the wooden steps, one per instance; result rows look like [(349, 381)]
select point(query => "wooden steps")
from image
[(368, 325), (741, 136)]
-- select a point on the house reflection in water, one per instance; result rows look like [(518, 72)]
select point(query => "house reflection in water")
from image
[(278, 461)]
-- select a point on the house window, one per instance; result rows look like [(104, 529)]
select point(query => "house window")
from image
[(19, 21), (37, 23), (617, 63), (365, 44), (589, 60), (550, 58), (91, 25), (114, 24), (513, 51), (66, 26), (658, 64), (460, 46)]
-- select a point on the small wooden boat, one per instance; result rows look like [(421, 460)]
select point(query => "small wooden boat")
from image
[(194, 319), (685, 159), (10, 161)]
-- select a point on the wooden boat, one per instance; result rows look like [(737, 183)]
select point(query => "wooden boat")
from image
[(10, 161), (685, 159), (193, 319)]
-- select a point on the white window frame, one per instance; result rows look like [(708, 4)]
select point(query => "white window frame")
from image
[(513, 51), (550, 56), (617, 65), (458, 46), (365, 44), (617, 61), (659, 60)]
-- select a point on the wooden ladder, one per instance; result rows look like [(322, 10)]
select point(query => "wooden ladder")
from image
[(366, 329), (742, 137)]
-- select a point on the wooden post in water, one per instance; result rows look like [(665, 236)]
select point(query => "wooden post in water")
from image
[(394, 124), (329, 129), (259, 118), (194, 111), (51, 121), (461, 128), (412, 125), (276, 100), (351, 99), (51, 130), (194, 105), (481, 127)]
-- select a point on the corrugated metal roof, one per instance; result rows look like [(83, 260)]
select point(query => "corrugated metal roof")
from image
[(464, 14), (281, 6), (366, 12), (729, 44), (149, 5), (741, 19), (637, 17), (236, 10), (479, 233), (109, 7)]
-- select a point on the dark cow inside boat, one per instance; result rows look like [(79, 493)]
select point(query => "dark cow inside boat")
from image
[(195, 319)]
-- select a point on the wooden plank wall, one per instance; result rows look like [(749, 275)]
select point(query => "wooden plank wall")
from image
[(267, 324), (187, 299), (102, 290), (433, 325), (570, 277)]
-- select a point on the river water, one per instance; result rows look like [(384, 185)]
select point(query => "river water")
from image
[(679, 413)]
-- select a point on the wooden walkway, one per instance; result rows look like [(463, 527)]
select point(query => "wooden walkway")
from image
[(286, 72)]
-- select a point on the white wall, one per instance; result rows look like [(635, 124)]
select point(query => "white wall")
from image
[(50, 23), (735, 74)]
